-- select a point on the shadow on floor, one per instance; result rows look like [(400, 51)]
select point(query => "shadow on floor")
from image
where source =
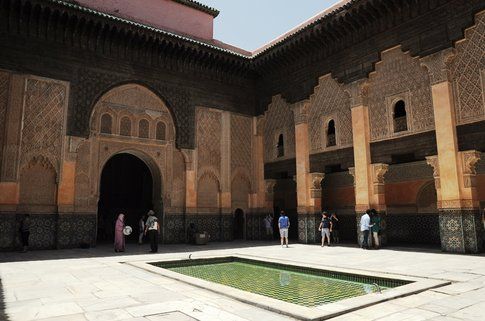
[(106, 250), (3, 314)]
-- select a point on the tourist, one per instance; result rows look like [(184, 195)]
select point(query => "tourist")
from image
[(268, 226), (364, 228), (334, 232), (119, 236), (24, 230), (325, 227), (153, 229), (376, 228), (283, 225), (141, 229)]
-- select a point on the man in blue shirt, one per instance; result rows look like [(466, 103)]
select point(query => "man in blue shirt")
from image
[(284, 225)]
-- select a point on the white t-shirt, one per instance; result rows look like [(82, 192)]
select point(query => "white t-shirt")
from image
[(365, 222)]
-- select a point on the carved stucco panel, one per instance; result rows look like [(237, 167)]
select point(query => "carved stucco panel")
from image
[(468, 73), (209, 131), (241, 130), (4, 89), (279, 119), (396, 73), (329, 101), (43, 121)]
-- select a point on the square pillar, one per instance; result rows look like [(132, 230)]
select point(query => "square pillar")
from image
[(454, 170)]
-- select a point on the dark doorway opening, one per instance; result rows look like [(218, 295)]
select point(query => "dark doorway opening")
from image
[(126, 187), (239, 224)]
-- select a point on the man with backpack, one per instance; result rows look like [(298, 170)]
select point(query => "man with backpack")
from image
[(152, 227)]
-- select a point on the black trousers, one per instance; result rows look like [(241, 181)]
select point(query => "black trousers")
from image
[(365, 243), (153, 236), (24, 236)]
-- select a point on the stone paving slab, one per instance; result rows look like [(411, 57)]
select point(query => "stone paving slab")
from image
[(95, 284)]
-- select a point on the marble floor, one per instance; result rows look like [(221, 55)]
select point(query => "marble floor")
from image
[(96, 284)]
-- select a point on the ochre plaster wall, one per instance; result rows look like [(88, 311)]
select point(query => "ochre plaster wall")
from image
[(333, 198), (404, 193), (164, 14)]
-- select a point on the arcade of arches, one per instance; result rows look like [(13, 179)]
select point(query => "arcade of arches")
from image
[(396, 141)]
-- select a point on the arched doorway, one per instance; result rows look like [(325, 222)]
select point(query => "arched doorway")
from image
[(239, 223), (126, 186)]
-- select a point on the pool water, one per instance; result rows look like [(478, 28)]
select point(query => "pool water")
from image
[(298, 285)]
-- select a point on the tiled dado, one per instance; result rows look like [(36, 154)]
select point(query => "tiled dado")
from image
[(460, 230), (219, 227), (48, 231), (255, 229)]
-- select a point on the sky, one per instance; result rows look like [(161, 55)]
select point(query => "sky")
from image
[(250, 24)]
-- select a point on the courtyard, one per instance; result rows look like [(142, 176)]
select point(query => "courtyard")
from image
[(97, 284)]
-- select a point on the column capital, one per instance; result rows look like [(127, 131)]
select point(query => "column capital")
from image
[(259, 126), (316, 180), (437, 65), (300, 111), (316, 184), (270, 184), (189, 158), (469, 161), (352, 172), (378, 172), (434, 162), (357, 91)]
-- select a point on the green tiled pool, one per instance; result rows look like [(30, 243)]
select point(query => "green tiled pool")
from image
[(299, 285)]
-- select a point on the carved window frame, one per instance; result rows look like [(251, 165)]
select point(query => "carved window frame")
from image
[(390, 105), (165, 134), (325, 121), (276, 136), (130, 118), (139, 120), (113, 122)]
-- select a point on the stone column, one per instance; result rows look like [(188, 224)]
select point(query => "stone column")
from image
[(368, 178), (257, 198), (302, 151), (66, 188), (9, 186), (269, 194), (190, 181), (460, 223), (378, 194), (226, 221), (302, 156), (309, 227), (362, 157)]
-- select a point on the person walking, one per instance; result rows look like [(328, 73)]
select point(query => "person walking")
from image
[(141, 229), (325, 227), (119, 236), (364, 228), (152, 227), (24, 230), (376, 228), (334, 233), (283, 225)]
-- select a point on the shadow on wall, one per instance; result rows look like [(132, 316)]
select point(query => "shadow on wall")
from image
[(3, 313)]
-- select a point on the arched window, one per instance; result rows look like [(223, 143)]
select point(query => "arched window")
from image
[(106, 124), (125, 126), (280, 147), (400, 117), (331, 141), (161, 128), (143, 128)]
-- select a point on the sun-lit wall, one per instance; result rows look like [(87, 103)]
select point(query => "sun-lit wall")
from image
[(164, 14)]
